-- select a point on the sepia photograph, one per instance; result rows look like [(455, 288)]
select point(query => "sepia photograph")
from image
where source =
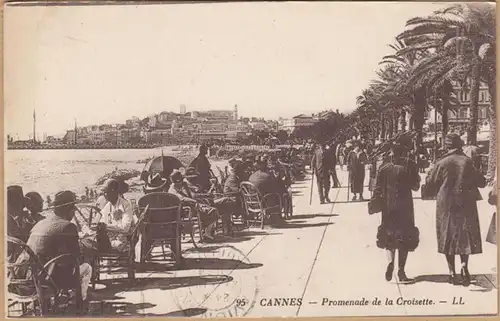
[(250, 159)]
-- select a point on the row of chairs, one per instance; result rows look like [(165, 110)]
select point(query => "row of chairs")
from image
[(162, 220)]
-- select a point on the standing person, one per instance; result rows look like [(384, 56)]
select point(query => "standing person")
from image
[(491, 237), (455, 181), (333, 170), (356, 161), (339, 153), (393, 189), (203, 167), (321, 164)]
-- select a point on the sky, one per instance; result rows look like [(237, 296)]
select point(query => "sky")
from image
[(105, 64)]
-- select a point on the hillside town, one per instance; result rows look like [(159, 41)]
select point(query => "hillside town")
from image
[(227, 127)]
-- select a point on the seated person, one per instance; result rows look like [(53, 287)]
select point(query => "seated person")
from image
[(225, 205), (232, 184), (267, 183), (35, 205), (208, 214), (117, 216), (56, 235), (19, 221)]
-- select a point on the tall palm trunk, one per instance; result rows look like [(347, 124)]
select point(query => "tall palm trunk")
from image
[(492, 119), (444, 123), (402, 121), (474, 101), (419, 113), (390, 129), (445, 98), (382, 127)]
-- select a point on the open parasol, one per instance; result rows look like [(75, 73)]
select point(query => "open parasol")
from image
[(164, 165)]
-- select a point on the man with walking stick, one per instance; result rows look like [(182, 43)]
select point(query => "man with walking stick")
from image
[(321, 164)]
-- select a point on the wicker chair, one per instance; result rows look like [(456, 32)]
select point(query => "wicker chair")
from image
[(257, 207), (30, 283), (161, 225), (112, 258)]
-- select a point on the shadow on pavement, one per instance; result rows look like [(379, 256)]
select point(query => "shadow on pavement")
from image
[(203, 249), (97, 309), (114, 286), (109, 309), (476, 280), (217, 264), (191, 312), (301, 225), (305, 216)]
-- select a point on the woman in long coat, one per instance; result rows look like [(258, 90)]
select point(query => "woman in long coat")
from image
[(454, 181), (356, 161), (393, 190)]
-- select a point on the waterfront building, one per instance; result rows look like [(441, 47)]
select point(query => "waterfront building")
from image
[(69, 138), (54, 140), (459, 115), (258, 125), (97, 137), (214, 115), (302, 120)]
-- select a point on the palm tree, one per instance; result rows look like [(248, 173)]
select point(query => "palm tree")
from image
[(411, 95), (465, 33)]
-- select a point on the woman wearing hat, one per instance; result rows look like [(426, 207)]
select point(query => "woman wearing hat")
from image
[(454, 181), (356, 161), (393, 190)]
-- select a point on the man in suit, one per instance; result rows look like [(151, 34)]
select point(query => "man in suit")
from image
[(56, 235), (321, 165)]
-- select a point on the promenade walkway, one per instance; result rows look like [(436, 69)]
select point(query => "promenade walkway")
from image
[(326, 252)]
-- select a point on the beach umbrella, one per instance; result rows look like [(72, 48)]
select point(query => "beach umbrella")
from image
[(163, 165)]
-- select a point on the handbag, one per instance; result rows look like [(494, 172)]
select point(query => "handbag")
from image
[(491, 237), (375, 205)]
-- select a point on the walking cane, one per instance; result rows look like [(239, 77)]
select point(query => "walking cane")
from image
[(312, 185)]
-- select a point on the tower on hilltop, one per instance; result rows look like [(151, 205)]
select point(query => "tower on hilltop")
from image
[(183, 109), (235, 112)]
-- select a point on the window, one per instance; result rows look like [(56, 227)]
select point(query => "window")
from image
[(483, 112), (462, 113)]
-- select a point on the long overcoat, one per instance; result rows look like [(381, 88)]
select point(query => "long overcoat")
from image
[(454, 181), (356, 165), (394, 184)]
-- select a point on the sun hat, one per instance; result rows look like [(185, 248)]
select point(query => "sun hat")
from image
[(191, 173), (111, 185), (64, 198), (155, 182), (15, 196), (176, 176)]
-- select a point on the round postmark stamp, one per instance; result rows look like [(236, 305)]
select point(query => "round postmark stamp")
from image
[(217, 281)]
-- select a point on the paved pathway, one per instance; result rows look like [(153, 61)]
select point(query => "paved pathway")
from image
[(327, 252)]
